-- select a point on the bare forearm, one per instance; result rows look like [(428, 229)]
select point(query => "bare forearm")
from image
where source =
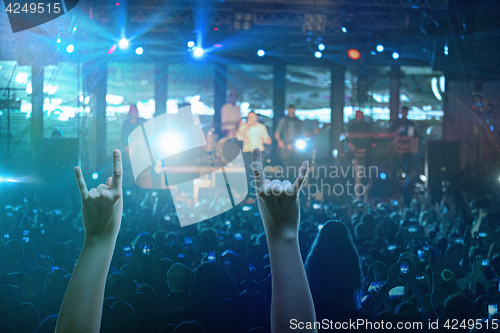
[(291, 297), (82, 304)]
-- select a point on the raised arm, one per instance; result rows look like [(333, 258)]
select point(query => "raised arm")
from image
[(279, 208), (102, 209)]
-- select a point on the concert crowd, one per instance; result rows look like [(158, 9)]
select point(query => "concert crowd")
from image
[(386, 263)]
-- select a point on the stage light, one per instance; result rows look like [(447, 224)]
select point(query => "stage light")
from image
[(353, 54), (139, 51), (95, 175), (318, 54), (198, 52), (335, 153), (344, 30), (321, 47), (29, 88), (395, 55), (58, 41), (21, 78), (70, 48), (316, 206), (261, 53), (446, 50), (190, 43), (423, 178), (320, 226), (380, 48), (300, 144), (492, 128), (383, 176), (123, 43), (373, 53), (435, 89), (403, 175), (112, 49)]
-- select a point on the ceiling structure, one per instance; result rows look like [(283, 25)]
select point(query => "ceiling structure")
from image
[(289, 31)]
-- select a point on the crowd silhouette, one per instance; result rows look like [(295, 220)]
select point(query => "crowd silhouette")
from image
[(120, 262)]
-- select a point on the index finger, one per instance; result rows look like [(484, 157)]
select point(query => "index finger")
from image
[(80, 181), (116, 182), (297, 185), (259, 173)]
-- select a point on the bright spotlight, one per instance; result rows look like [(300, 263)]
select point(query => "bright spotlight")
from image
[(139, 51), (335, 153), (318, 54), (423, 178), (198, 52), (300, 144), (321, 47), (261, 53), (21, 78), (123, 43), (395, 55), (383, 176), (95, 175), (58, 41), (344, 30), (190, 43), (380, 48), (403, 175), (70, 48)]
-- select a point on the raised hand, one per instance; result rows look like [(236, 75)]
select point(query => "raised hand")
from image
[(278, 201), (279, 208), (102, 207)]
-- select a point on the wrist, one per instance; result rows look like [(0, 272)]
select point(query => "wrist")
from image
[(99, 241)]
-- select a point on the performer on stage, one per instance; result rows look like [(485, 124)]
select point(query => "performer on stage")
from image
[(361, 147), (403, 126), (290, 128), (230, 116), (254, 135)]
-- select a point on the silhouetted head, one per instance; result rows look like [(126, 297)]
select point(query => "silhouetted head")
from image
[(179, 278), (359, 116), (252, 118), (133, 112), (333, 266), (404, 112), (459, 307), (232, 97), (291, 110)]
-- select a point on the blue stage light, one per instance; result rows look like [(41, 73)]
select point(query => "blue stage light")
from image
[(318, 54), (321, 47), (139, 51), (261, 53), (70, 48), (123, 43), (190, 43), (383, 176), (198, 52), (395, 55), (95, 175), (380, 48)]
